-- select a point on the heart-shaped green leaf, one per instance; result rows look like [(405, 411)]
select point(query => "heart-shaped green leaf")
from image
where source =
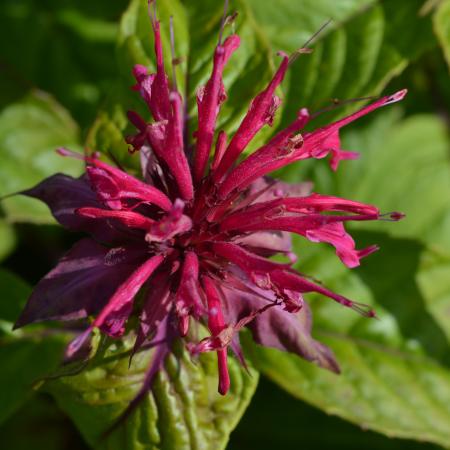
[(182, 411)]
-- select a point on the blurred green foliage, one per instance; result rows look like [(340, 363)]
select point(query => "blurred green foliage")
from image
[(64, 80)]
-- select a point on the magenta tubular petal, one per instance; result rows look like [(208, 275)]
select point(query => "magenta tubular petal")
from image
[(114, 192), (127, 218), (173, 153), (154, 310), (220, 149), (129, 186), (260, 113), (126, 292), (160, 104), (314, 203), (154, 88), (189, 273), (335, 234), (108, 191), (273, 154), (123, 296), (246, 260), (216, 324), (136, 120), (208, 101), (187, 299), (156, 135), (315, 227), (279, 220), (295, 282), (224, 376), (277, 154), (172, 224)]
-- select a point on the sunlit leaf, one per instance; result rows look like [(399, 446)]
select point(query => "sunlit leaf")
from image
[(30, 131), (442, 27), (395, 370), (182, 411)]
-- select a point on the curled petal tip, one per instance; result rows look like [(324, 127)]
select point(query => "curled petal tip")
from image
[(397, 215), (223, 388), (63, 151), (139, 71), (282, 54), (303, 113), (77, 343), (400, 95), (393, 216)]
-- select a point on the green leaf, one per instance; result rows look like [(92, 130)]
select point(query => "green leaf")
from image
[(182, 411), (303, 426), (380, 388), (30, 132), (396, 370), (25, 361), (441, 22), (403, 166), (434, 282), (355, 56), (26, 355), (289, 23), (65, 48)]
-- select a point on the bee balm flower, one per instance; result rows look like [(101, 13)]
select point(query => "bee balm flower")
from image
[(195, 236)]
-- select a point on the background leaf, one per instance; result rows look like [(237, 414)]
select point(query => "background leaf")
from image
[(30, 131), (395, 371), (25, 361), (442, 27), (183, 410), (355, 56), (65, 47), (297, 423), (26, 356)]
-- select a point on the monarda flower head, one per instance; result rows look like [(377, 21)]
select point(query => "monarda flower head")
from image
[(195, 236)]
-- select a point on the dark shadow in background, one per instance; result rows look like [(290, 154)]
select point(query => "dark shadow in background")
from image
[(39, 249), (390, 274)]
